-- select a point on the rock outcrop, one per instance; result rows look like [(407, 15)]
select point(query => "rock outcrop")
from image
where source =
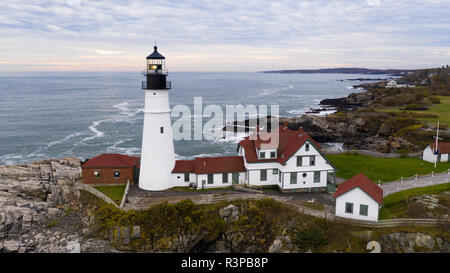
[(32, 196)]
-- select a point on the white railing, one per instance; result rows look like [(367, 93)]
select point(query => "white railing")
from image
[(125, 193), (95, 192), (406, 182)]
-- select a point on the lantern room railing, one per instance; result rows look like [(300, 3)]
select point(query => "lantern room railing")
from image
[(168, 85), (155, 72)]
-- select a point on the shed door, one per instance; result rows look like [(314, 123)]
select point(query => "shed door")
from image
[(235, 178)]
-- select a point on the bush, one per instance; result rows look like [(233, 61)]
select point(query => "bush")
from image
[(309, 238)]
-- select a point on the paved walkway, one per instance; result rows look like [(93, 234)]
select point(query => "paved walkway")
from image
[(410, 183)]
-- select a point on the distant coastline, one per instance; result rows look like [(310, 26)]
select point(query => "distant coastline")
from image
[(391, 72)]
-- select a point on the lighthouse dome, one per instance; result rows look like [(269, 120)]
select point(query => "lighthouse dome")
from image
[(155, 54)]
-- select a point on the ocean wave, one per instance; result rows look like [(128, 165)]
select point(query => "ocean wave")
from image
[(271, 91), (53, 143), (93, 129)]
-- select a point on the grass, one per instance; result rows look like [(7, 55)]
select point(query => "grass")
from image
[(442, 110), (113, 192), (395, 204), (384, 169)]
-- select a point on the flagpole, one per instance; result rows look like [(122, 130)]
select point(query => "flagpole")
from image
[(436, 147)]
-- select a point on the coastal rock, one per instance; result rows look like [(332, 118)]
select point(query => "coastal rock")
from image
[(230, 213), (11, 246)]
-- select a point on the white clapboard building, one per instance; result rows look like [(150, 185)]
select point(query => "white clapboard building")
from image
[(431, 154), (293, 162), (359, 198)]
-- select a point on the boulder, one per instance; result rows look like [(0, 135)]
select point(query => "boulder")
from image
[(73, 247), (11, 246)]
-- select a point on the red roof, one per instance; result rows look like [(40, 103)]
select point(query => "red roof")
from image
[(226, 164), (444, 147), (111, 161), (364, 184), (288, 143), (184, 166)]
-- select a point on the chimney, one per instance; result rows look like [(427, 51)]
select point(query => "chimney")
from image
[(300, 129), (285, 123)]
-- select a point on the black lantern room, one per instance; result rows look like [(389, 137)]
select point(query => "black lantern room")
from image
[(156, 72)]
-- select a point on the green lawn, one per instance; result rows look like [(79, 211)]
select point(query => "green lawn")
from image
[(442, 110), (395, 204), (385, 169), (113, 192)]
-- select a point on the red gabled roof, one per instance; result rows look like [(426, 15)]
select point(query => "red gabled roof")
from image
[(288, 143), (365, 184), (227, 164), (444, 147), (111, 160), (184, 166)]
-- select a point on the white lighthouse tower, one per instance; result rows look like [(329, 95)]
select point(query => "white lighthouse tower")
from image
[(157, 153)]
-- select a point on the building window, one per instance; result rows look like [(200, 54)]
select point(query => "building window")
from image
[(293, 178), (313, 160), (299, 161), (116, 174), (307, 147), (210, 178), (225, 178), (272, 154), (363, 210), (349, 208), (304, 175), (275, 171), (316, 177), (262, 154), (279, 176), (263, 176), (186, 177), (162, 130), (96, 173)]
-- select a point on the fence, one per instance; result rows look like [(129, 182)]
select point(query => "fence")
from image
[(372, 153), (125, 194), (395, 222), (410, 182), (95, 192)]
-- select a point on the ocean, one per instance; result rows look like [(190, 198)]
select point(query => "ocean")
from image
[(83, 114)]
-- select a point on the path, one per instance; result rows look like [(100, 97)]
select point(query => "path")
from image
[(410, 183)]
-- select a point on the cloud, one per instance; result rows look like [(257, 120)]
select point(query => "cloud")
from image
[(281, 34)]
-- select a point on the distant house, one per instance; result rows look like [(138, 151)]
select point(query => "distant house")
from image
[(430, 153), (398, 84), (110, 169), (358, 198)]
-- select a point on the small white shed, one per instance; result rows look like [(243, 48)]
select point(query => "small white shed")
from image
[(358, 198), (441, 155)]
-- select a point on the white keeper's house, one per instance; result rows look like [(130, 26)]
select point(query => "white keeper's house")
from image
[(431, 154), (359, 198), (293, 163)]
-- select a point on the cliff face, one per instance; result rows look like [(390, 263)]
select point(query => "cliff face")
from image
[(34, 204)]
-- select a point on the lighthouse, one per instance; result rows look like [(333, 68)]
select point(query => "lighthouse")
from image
[(157, 153)]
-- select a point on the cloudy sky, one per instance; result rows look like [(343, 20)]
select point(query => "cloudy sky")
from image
[(223, 35)]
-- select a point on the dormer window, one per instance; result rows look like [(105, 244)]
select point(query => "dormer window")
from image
[(262, 155), (273, 154)]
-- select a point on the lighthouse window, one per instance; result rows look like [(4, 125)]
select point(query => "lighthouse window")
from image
[(162, 130)]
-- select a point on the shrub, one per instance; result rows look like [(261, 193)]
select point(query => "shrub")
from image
[(309, 238), (416, 210)]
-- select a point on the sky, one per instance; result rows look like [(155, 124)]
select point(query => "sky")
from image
[(223, 35)]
